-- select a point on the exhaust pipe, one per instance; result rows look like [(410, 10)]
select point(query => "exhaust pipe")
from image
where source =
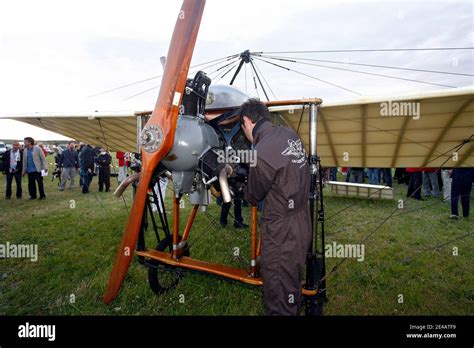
[(223, 175), (124, 184), (169, 175), (132, 178)]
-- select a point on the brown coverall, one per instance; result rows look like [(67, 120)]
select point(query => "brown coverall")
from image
[(281, 179)]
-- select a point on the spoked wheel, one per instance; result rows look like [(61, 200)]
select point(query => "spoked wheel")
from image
[(163, 278), (314, 307)]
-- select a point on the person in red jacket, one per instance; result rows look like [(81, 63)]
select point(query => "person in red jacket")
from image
[(41, 145), (123, 162)]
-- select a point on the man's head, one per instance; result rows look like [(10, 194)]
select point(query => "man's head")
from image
[(70, 146), (252, 111), (16, 145), (29, 142)]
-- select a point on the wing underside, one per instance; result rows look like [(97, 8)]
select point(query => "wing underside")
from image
[(376, 134), (427, 130)]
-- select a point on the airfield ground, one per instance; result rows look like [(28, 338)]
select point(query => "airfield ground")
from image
[(77, 249)]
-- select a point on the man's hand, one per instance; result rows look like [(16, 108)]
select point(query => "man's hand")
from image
[(239, 187)]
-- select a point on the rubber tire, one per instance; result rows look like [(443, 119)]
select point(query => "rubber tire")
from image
[(153, 280), (315, 309)]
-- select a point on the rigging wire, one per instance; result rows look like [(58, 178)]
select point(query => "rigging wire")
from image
[(265, 80), (455, 148), (158, 76), (301, 119), (384, 220), (124, 86), (267, 53), (245, 72), (140, 93), (312, 77), (213, 74), (345, 228), (293, 59), (227, 71), (255, 82), (373, 74), (258, 78), (370, 50), (417, 254), (410, 258), (190, 73), (103, 207)]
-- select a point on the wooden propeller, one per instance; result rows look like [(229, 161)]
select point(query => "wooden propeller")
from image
[(161, 126)]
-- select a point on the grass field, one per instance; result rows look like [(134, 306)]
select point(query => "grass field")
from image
[(77, 248)]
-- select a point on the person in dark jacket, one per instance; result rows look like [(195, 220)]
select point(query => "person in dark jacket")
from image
[(12, 166), (461, 186), (87, 166), (386, 176), (81, 173), (103, 161), (402, 176), (238, 219), (357, 175), (69, 162), (281, 178), (415, 183)]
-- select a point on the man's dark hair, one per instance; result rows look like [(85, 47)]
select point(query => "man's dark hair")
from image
[(30, 140), (255, 110)]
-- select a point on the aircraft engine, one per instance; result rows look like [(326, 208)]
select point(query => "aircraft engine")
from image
[(205, 155)]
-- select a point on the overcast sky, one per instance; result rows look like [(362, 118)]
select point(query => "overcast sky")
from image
[(55, 54)]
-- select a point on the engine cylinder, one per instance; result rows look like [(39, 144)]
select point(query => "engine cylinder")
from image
[(192, 139)]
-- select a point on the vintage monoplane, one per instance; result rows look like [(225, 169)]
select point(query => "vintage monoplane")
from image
[(193, 120)]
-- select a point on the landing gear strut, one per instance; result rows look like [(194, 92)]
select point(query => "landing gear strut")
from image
[(315, 260)]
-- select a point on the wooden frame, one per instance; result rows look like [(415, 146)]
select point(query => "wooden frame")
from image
[(176, 257)]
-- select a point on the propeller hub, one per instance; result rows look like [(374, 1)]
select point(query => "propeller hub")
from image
[(151, 138)]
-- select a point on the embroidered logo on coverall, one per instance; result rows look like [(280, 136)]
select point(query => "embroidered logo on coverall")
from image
[(296, 149)]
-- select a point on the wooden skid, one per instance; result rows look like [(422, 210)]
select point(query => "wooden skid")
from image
[(208, 267)]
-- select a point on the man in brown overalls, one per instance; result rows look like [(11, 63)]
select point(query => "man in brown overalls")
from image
[(281, 178)]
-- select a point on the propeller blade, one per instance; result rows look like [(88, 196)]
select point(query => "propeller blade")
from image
[(161, 126)]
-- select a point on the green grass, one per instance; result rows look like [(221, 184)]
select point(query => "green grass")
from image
[(77, 250)]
